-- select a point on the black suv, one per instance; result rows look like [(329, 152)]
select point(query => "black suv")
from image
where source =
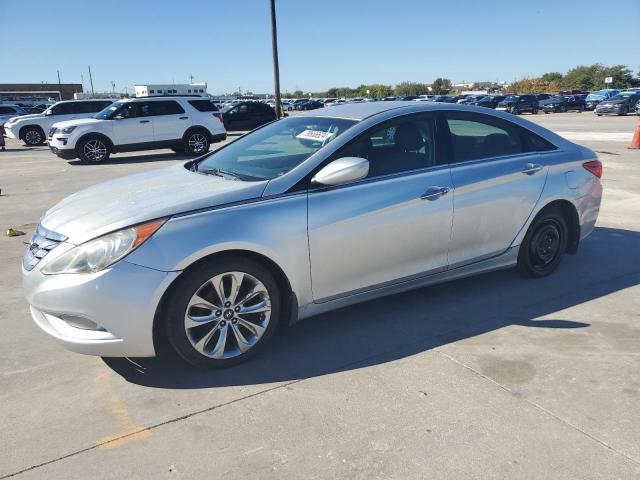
[(489, 101), (247, 116), (517, 104), (563, 103)]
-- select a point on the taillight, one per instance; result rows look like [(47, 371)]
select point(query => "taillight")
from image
[(594, 166), (218, 115)]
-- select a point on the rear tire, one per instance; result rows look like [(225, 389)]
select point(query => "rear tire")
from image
[(197, 142), (209, 331), (94, 149), (544, 244), (33, 136)]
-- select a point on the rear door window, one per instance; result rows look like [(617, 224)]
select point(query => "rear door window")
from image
[(167, 107), (476, 136)]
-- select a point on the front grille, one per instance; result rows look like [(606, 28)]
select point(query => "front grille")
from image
[(41, 243)]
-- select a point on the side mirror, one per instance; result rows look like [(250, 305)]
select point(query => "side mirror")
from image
[(342, 170), (48, 112)]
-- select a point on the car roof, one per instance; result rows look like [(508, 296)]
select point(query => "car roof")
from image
[(360, 111)]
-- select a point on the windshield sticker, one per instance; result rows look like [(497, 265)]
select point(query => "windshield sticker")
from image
[(317, 135)]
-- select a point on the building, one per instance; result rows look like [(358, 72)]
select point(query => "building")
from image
[(171, 89), (28, 92)]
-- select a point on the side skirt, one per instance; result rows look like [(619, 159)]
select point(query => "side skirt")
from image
[(507, 259)]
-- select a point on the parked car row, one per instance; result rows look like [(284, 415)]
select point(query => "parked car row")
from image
[(92, 130)]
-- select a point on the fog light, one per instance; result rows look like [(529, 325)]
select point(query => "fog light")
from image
[(82, 323)]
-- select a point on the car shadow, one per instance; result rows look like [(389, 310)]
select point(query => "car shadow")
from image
[(398, 326), (154, 157)]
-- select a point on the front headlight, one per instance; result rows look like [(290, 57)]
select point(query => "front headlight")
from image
[(101, 252), (69, 129)]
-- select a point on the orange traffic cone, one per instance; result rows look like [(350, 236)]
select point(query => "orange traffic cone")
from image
[(635, 141)]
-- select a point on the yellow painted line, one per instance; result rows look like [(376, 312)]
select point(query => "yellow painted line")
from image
[(126, 431)]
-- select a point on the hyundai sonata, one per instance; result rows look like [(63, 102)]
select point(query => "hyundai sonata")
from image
[(301, 216)]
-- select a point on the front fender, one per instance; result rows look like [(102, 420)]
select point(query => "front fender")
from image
[(275, 228)]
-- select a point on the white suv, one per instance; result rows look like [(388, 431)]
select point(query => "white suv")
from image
[(184, 123), (32, 129)]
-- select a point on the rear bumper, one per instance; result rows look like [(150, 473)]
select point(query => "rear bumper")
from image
[(219, 137)]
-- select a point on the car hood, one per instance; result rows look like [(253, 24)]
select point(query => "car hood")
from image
[(141, 197), (28, 117), (614, 102), (77, 123)]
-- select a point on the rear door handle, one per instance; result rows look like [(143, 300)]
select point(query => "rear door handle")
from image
[(183, 118), (144, 121), (531, 168), (434, 193)]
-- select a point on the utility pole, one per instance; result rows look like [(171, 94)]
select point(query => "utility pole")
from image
[(190, 78), (276, 68), (91, 80), (113, 87), (59, 85)]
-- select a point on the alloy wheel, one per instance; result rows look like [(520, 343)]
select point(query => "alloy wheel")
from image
[(33, 137), (197, 143), (94, 150), (227, 315)]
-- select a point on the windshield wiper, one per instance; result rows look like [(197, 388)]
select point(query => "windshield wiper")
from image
[(220, 173)]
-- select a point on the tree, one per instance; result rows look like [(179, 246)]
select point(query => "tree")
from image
[(440, 86), (411, 88), (298, 94), (552, 77)]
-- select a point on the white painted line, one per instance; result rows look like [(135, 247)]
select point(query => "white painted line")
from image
[(597, 136)]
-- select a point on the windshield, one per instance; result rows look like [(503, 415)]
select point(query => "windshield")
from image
[(275, 149), (597, 96), (511, 98), (104, 114)]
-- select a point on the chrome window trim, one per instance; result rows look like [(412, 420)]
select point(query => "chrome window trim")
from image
[(501, 157)]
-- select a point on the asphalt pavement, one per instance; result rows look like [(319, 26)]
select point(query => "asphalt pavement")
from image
[(494, 376)]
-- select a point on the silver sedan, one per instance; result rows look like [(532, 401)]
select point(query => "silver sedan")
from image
[(305, 215)]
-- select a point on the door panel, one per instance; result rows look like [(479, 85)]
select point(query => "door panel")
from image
[(170, 121), (133, 124), (378, 231), (492, 201)]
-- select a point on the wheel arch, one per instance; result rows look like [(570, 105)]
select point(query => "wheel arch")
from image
[(194, 128), (288, 296), (24, 128), (570, 213)]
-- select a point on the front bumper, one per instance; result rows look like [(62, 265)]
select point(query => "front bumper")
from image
[(122, 300), (604, 110), (9, 133)]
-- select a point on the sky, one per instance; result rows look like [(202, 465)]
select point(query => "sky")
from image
[(322, 44)]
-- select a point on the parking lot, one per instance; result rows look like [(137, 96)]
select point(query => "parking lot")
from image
[(494, 376)]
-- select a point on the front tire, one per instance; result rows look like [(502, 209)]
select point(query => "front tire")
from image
[(33, 136), (223, 312), (94, 150), (197, 142), (543, 245)]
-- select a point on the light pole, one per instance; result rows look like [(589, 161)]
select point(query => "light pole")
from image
[(59, 85), (91, 80), (276, 68)]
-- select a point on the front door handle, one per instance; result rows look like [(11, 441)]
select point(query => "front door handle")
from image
[(183, 118), (144, 121), (531, 168), (434, 193)]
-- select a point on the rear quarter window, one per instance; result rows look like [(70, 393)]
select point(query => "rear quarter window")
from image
[(203, 105)]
